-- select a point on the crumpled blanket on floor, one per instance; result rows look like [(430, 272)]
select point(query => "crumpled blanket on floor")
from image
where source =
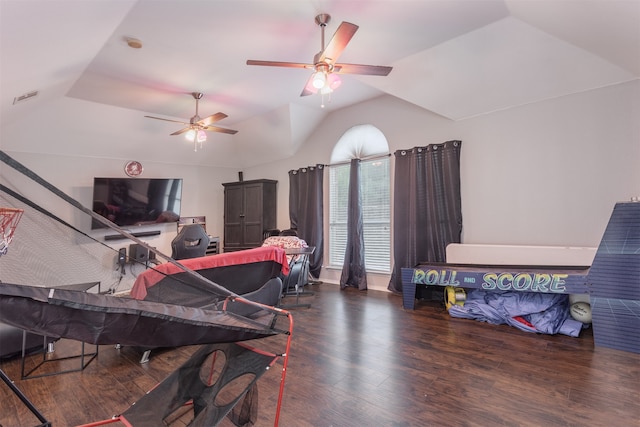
[(527, 311)]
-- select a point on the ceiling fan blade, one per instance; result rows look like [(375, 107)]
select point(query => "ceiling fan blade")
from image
[(371, 70), (278, 64), (167, 120), (308, 87), (211, 119), (183, 130), (338, 42), (221, 130)]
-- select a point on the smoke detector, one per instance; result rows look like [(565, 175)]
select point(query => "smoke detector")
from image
[(134, 43)]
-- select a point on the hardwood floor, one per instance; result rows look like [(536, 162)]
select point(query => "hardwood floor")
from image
[(359, 359)]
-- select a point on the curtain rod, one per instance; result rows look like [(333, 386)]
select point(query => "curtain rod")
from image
[(373, 157), (346, 162)]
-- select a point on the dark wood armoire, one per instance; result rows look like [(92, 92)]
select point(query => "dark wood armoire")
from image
[(249, 210)]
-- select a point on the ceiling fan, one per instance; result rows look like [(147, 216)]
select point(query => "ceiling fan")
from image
[(196, 127), (324, 64)]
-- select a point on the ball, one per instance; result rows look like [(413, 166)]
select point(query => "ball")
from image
[(581, 311)]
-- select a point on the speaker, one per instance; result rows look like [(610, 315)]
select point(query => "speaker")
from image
[(138, 253)]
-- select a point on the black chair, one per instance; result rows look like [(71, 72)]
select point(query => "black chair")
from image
[(298, 276), (269, 233), (191, 242)]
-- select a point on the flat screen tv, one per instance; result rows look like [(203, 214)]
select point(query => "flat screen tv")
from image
[(136, 201)]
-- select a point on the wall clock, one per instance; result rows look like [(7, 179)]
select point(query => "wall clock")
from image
[(133, 168)]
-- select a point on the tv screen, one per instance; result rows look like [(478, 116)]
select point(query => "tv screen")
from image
[(136, 201)]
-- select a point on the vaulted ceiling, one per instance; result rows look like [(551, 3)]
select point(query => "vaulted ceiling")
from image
[(455, 58)]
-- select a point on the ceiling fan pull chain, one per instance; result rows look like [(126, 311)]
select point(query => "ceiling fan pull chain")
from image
[(323, 95)]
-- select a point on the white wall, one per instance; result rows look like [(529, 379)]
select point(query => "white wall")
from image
[(202, 195), (542, 174), (202, 189)]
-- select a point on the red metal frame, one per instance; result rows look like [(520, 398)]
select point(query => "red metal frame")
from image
[(285, 358)]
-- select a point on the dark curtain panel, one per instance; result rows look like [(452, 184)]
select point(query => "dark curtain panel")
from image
[(306, 211), (427, 206), (353, 270)]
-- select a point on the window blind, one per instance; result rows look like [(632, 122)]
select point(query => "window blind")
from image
[(376, 204)]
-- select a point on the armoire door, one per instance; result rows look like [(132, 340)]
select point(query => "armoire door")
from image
[(233, 216), (249, 209), (253, 214)]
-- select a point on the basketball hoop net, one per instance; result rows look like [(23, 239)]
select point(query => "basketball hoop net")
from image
[(9, 218)]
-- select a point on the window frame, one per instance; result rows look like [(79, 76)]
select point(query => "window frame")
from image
[(377, 260)]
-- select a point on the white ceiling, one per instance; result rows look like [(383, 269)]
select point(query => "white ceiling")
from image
[(456, 58)]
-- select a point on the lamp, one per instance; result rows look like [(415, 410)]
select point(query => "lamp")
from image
[(333, 82), (330, 82), (196, 136), (322, 81), (319, 79)]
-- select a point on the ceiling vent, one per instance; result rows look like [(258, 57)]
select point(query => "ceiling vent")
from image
[(24, 97)]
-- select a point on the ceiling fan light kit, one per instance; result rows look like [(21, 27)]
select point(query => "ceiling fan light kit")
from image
[(201, 136), (319, 79), (324, 80), (197, 137), (331, 83)]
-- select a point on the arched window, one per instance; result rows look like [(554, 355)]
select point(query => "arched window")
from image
[(368, 143)]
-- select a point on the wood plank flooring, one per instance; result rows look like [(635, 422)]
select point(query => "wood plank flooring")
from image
[(359, 359)]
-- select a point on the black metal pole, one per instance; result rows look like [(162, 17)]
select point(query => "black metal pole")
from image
[(24, 400)]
